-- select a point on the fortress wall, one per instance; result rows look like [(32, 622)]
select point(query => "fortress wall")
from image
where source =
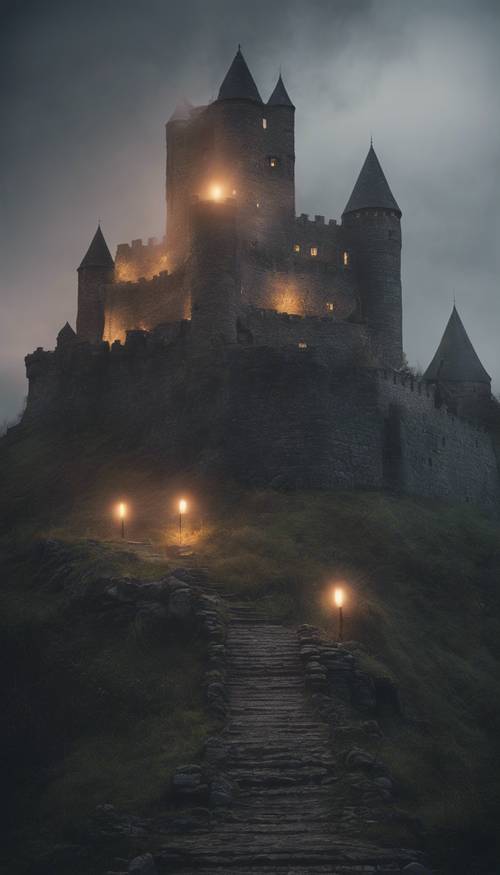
[(143, 305), (301, 287), (342, 344), (432, 452), (140, 260)]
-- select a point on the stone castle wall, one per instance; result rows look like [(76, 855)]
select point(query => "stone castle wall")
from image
[(144, 304), (286, 417)]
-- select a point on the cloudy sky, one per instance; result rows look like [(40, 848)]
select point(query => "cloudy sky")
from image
[(86, 86)]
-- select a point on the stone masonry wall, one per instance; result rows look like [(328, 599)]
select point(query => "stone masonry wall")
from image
[(431, 452), (286, 417), (144, 304)]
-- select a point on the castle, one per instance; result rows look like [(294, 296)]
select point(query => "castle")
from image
[(261, 344)]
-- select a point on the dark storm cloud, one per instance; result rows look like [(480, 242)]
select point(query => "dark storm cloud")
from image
[(87, 86)]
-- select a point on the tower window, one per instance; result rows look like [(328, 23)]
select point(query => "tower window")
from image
[(302, 344), (273, 161), (330, 306), (296, 247), (314, 251), (346, 259), (264, 123)]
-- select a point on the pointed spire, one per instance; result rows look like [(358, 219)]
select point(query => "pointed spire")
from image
[(372, 188), (456, 360), (98, 254), (280, 96), (238, 83), (66, 335), (182, 111)]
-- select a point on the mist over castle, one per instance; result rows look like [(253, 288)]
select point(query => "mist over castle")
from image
[(261, 343)]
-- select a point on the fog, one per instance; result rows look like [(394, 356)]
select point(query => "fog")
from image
[(86, 87)]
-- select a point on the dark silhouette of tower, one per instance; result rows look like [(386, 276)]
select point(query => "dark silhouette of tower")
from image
[(95, 271), (372, 222), (236, 147)]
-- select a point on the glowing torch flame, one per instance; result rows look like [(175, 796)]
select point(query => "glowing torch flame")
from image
[(182, 505), (122, 510), (338, 597)]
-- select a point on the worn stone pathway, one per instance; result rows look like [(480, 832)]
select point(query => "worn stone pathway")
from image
[(287, 816)]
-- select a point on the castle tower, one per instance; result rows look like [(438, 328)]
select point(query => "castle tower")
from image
[(236, 147), (372, 222), (214, 277), (96, 270), (456, 371)]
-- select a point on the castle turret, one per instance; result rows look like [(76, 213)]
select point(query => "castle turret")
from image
[(372, 223), (96, 270), (234, 147), (456, 371), (214, 277)]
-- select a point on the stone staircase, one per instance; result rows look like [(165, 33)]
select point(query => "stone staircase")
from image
[(290, 812)]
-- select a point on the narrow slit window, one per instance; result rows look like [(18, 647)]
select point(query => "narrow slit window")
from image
[(330, 306), (346, 259), (273, 161), (314, 251), (296, 247), (264, 123)]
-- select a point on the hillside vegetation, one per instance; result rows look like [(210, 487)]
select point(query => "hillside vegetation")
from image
[(423, 606)]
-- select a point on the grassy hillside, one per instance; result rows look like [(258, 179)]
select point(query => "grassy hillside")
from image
[(423, 605)]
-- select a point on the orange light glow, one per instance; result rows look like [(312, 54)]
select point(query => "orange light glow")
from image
[(122, 510), (338, 597), (216, 192), (183, 505)]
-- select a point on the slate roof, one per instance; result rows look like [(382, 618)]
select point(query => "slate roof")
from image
[(280, 96), (238, 83), (456, 360), (98, 254), (372, 188), (66, 335)]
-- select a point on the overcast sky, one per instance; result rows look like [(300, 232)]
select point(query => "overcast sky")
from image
[(87, 85)]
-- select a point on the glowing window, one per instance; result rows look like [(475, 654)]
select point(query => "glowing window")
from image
[(345, 259), (264, 123), (296, 247), (273, 161), (302, 344), (330, 306), (257, 205), (314, 251)]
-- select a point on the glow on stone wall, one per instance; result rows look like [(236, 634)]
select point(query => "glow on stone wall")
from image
[(287, 298)]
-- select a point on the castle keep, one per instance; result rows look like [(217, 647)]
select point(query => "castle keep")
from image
[(263, 344)]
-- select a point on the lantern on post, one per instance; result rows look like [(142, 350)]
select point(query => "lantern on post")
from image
[(338, 598), (122, 513), (182, 510)]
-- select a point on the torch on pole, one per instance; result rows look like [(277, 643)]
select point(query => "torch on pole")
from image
[(338, 597), (122, 513), (182, 510)]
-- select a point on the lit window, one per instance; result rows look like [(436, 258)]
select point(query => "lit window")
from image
[(314, 250), (264, 123), (330, 307), (257, 205), (302, 344), (296, 247), (273, 161), (345, 259)]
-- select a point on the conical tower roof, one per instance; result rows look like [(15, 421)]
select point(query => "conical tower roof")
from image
[(66, 334), (280, 96), (456, 360), (372, 188), (238, 83), (98, 254)]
